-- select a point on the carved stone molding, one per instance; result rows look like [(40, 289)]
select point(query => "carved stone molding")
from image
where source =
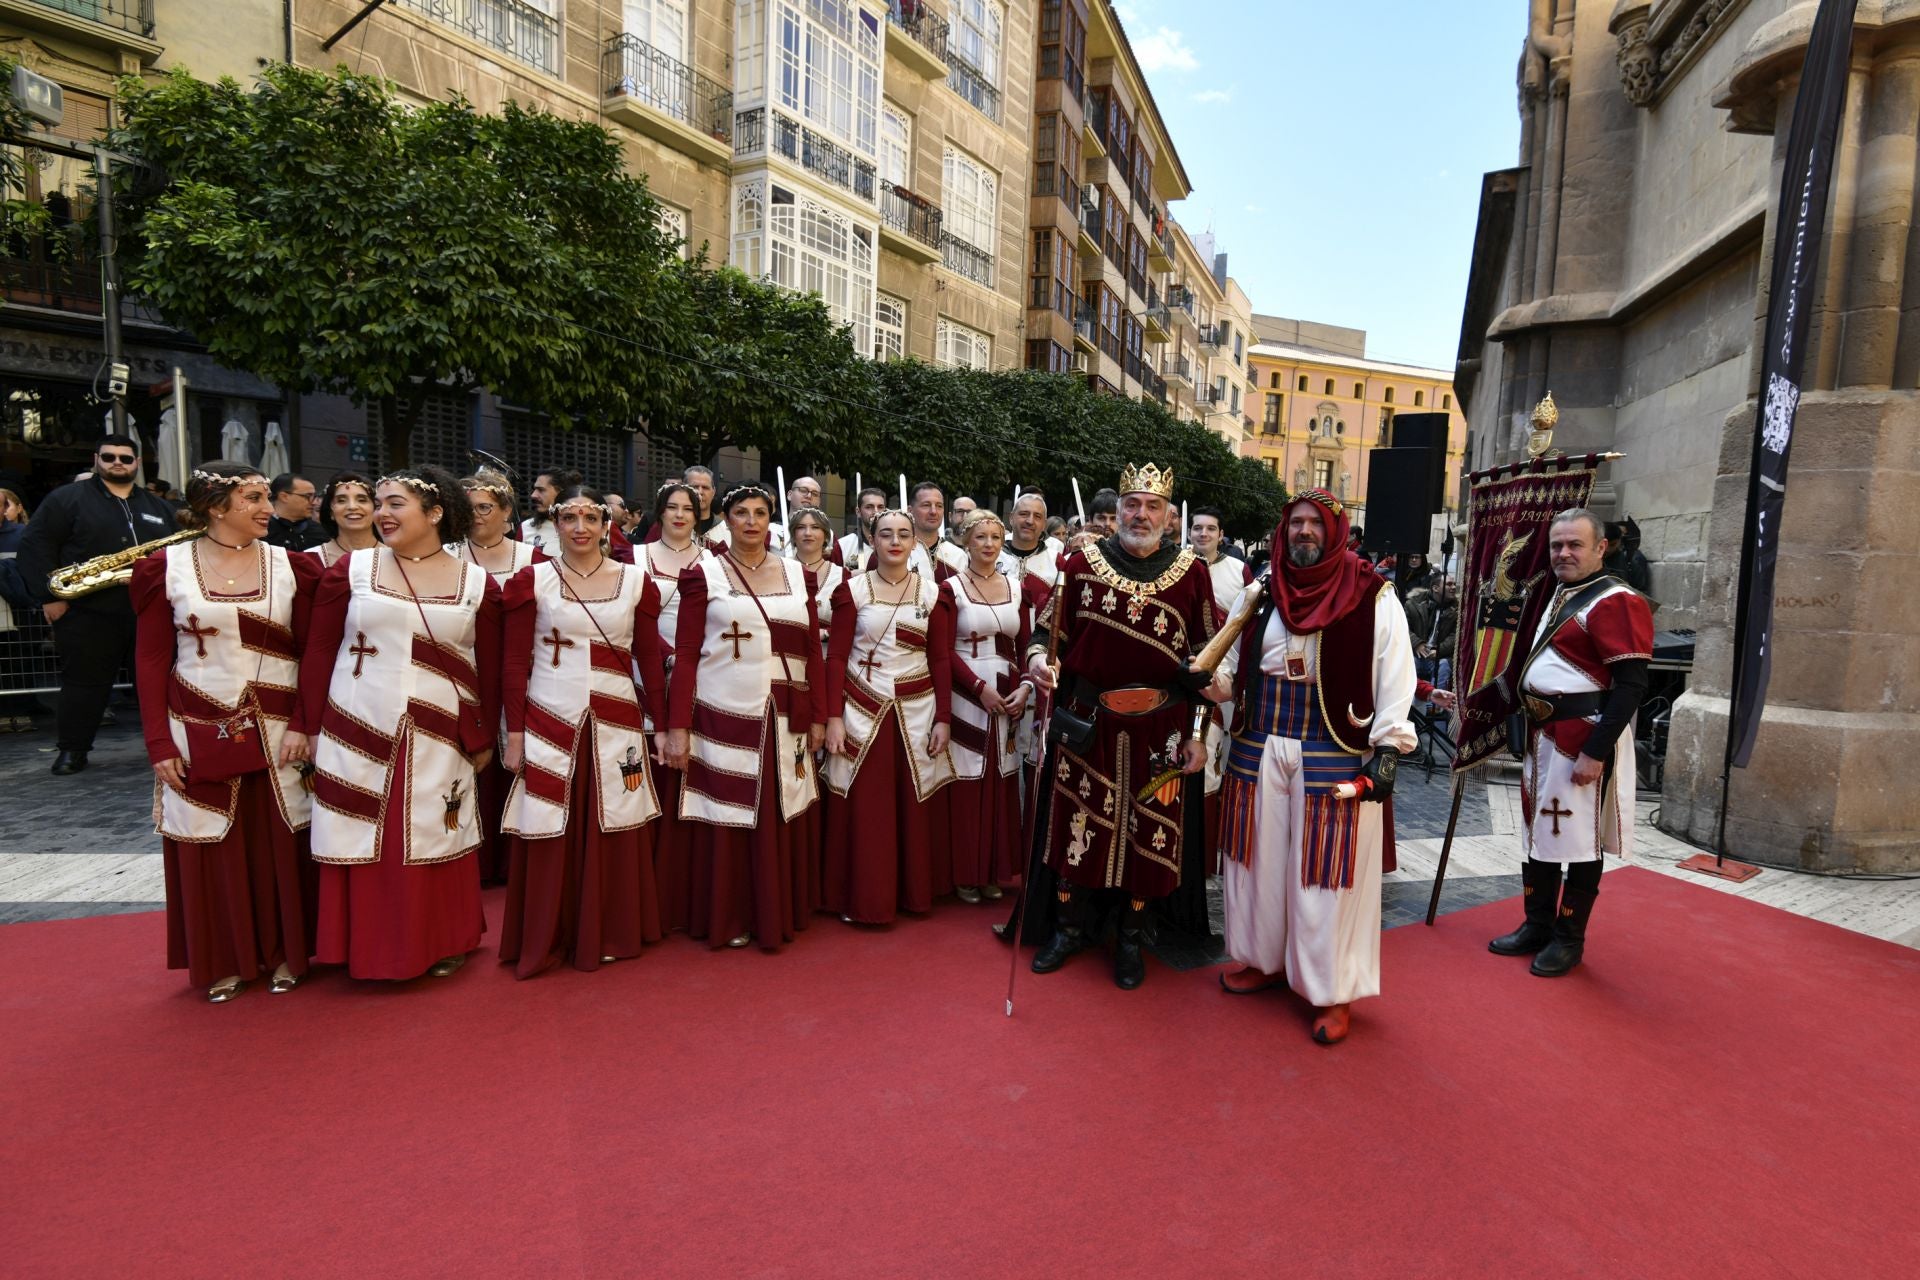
[(1658, 38)]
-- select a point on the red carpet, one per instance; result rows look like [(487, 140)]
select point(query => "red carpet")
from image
[(1724, 1090)]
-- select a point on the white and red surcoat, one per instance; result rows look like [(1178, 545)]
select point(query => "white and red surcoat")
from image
[(523, 555), (1230, 577), (400, 685), (666, 584), (572, 693), (231, 654), (827, 580), (1564, 822), (1043, 562), (882, 657), (988, 640), (744, 697)]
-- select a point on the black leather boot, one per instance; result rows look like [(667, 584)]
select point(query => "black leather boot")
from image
[(1540, 891), (1129, 964), (1563, 954), (67, 762), (1069, 936)]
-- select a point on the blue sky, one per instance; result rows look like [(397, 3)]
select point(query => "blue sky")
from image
[(1336, 149)]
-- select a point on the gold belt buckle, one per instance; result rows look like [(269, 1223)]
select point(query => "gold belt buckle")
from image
[(1133, 702), (1539, 710)]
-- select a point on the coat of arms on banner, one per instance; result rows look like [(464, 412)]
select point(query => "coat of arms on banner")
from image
[(1503, 602), (1776, 422)]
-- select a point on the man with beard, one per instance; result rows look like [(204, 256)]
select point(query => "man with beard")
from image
[(851, 548), (1580, 688), (99, 513), (1130, 615), (1028, 549), (538, 529), (1324, 681)]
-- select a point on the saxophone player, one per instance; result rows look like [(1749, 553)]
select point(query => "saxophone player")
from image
[(104, 512)]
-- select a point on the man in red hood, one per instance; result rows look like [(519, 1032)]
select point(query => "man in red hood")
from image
[(1322, 680)]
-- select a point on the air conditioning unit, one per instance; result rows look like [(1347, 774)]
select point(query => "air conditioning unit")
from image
[(1082, 362), (1090, 195)]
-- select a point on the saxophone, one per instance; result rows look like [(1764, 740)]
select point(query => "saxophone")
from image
[(114, 569)]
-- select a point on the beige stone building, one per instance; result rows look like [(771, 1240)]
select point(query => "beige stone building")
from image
[(1100, 240), (1209, 330), (1622, 263), (1318, 410)]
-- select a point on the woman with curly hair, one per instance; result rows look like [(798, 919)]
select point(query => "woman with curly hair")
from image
[(401, 684)]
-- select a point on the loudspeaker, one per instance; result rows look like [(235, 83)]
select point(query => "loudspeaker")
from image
[(1400, 509), (1425, 431)]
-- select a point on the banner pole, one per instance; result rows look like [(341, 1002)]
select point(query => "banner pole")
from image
[(1446, 846)]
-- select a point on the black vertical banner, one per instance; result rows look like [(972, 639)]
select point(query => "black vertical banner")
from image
[(1798, 230)]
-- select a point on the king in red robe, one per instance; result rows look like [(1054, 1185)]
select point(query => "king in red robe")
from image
[(1130, 612)]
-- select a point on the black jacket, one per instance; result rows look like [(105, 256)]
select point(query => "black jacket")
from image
[(294, 536), (82, 520)]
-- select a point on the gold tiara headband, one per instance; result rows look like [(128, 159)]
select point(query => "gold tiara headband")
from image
[(415, 483), (580, 503), (487, 482), (980, 516), (225, 482), (815, 512), (740, 491)]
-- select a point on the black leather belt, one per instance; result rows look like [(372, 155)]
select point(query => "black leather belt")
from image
[(1127, 700), (1544, 708)]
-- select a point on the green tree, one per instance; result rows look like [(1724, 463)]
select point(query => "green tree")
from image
[(327, 238), (759, 367)]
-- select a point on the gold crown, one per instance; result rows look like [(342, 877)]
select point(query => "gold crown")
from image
[(1546, 414), (1148, 479)]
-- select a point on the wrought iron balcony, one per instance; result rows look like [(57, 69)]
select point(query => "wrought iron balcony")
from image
[(965, 260), (972, 84), (135, 17), (914, 216), (1084, 331), (59, 277), (1154, 385), (914, 18), (801, 145), (513, 27), (1212, 335), (1177, 368), (631, 68)]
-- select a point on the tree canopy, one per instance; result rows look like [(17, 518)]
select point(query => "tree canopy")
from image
[(322, 235)]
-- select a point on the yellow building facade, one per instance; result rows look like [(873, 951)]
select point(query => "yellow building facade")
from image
[(1315, 414)]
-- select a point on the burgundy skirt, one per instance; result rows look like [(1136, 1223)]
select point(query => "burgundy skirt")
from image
[(673, 838), (580, 895), (384, 919), (244, 905), (752, 880), (886, 851), (494, 782), (986, 828)]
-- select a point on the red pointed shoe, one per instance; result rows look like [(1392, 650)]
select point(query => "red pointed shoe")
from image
[(1332, 1024), (1246, 980)]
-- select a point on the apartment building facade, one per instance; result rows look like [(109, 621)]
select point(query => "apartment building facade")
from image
[(1104, 171)]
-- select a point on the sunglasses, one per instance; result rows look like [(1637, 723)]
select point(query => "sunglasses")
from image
[(119, 457)]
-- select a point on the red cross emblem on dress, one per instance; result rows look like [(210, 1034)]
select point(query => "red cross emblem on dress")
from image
[(361, 651), (198, 632)]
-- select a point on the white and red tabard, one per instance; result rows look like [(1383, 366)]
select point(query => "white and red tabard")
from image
[(231, 655), (827, 581), (580, 686), (743, 690), (1229, 577), (1043, 562), (666, 581), (889, 668), (522, 557), (400, 684), (1565, 822), (987, 641)]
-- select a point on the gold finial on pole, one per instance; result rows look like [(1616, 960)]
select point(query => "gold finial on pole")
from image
[(1545, 416)]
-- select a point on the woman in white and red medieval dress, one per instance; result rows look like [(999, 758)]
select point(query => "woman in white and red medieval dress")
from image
[(669, 552), (889, 690), (987, 618), (401, 680), (491, 545), (741, 721), (220, 621), (579, 819)]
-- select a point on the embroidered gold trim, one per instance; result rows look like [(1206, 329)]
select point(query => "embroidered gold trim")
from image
[(1133, 586)]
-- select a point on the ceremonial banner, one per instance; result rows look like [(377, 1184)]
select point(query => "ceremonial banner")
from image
[(1799, 223), (1505, 583)]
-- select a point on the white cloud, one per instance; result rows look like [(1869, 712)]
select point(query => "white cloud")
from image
[(1164, 50), (1214, 95), (1254, 208)]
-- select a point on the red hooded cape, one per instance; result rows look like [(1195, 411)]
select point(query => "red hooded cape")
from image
[(1310, 599)]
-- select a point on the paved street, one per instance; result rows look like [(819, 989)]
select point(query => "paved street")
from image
[(85, 846)]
